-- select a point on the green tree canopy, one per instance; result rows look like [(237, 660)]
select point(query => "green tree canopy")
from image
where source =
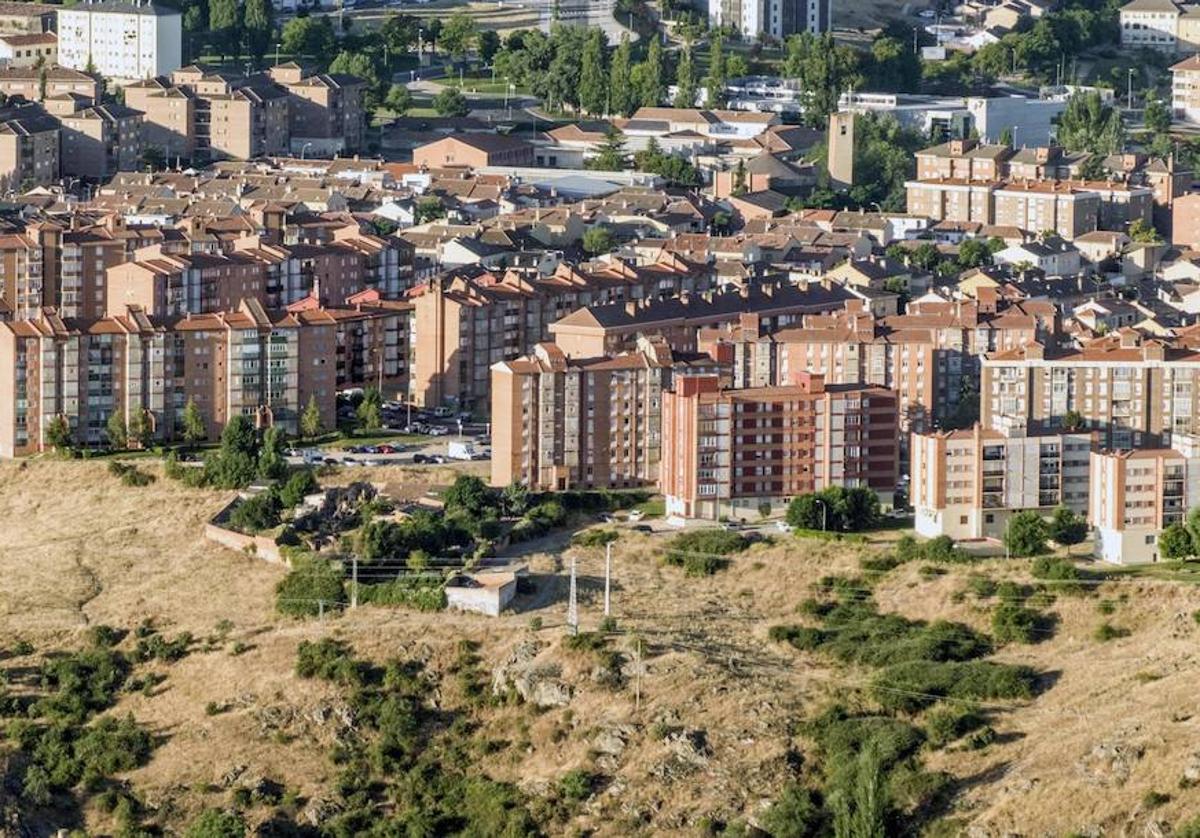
[(1026, 534)]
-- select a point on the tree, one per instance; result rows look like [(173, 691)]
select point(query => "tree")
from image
[(925, 256), (469, 494), (370, 410), (398, 99), (450, 102), (860, 805), (488, 43), (593, 82), (309, 36), (514, 500), (114, 429), (311, 425), (1156, 116), (795, 814), (224, 21), (651, 89), (300, 484), (428, 209), (825, 71), (217, 823), (399, 34), (611, 155), (1067, 528), (58, 433), (193, 429), (1143, 232), (736, 67), (458, 35), (1025, 534), (973, 253), (256, 513), (235, 463), (140, 431), (1175, 543), (1088, 124), (685, 80), (714, 82), (358, 64), (620, 87), (259, 24), (271, 462), (598, 239), (1073, 421)]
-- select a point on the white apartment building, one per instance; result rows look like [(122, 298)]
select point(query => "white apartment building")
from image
[(774, 18), (1161, 24), (121, 40)]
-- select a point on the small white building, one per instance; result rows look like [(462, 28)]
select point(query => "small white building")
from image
[(121, 40), (27, 49), (481, 593), (1055, 257)]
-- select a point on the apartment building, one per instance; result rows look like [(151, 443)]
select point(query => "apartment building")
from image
[(967, 484), (929, 356), (1185, 89), (97, 141), (30, 18), (29, 83), (753, 19), (562, 423), (607, 329), (728, 451), (1161, 24), (29, 147), (28, 49), (467, 321), (240, 362), (326, 111), (966, 159), (121, 39), (219, 115), (77, 263), (165, 284), (1134, 391), (21, 279)]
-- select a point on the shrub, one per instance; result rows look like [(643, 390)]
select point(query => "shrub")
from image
[(156, 647), (329, 660), (301, 483), (1057, 570), (256, 513), (911, 686), (1176, 543), (216, 823), (311, 582), (802, 637), (420, 593), (948, 722), (796, 813), (1026, 534), (595, 537), (982, 586), (576, 785), (1107, 631), (1013, 623), (1153, 799), (718, 542)]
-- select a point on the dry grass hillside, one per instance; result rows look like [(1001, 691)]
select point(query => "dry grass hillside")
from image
[(706, 727)]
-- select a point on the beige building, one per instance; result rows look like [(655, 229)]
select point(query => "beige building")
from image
[(1150, 23), (327, 115), (57, 81), (466, 322), (97, 141), (968, 484), (1135, 391), (29, 147), (560, 423), (31, 18), (28, 49)]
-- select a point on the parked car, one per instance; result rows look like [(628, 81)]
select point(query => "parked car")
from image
[(642, 528), (783, 526), (420, 458), (293, 452), (481, 455), (369, 449), (443, 412), (636, 515), (331, 461), (374, 462), (439, 430), (386, 449), (438, 458)]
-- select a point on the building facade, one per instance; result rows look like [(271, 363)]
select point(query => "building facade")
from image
[(730, 451), (121, 39)]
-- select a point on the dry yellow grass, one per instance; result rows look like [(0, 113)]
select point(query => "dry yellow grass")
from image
[(81, 549)]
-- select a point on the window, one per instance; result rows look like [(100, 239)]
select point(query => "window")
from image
[(962, 520)]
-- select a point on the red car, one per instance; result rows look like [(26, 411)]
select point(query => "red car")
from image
[(386, 449)]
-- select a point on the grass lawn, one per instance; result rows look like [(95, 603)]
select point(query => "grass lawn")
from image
[(1168, 571)]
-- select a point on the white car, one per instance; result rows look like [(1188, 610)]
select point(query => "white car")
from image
[(636, 515), (927, 14), (783, 526)]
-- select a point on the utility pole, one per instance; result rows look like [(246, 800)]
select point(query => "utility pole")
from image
[(573, 603), (320, 609), (354, 580), (637, 683), (607, 579)]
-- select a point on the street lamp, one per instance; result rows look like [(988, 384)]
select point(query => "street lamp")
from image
[(303, 149), (1130, 103)]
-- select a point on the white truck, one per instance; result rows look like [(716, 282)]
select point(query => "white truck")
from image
[(460, 451)]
